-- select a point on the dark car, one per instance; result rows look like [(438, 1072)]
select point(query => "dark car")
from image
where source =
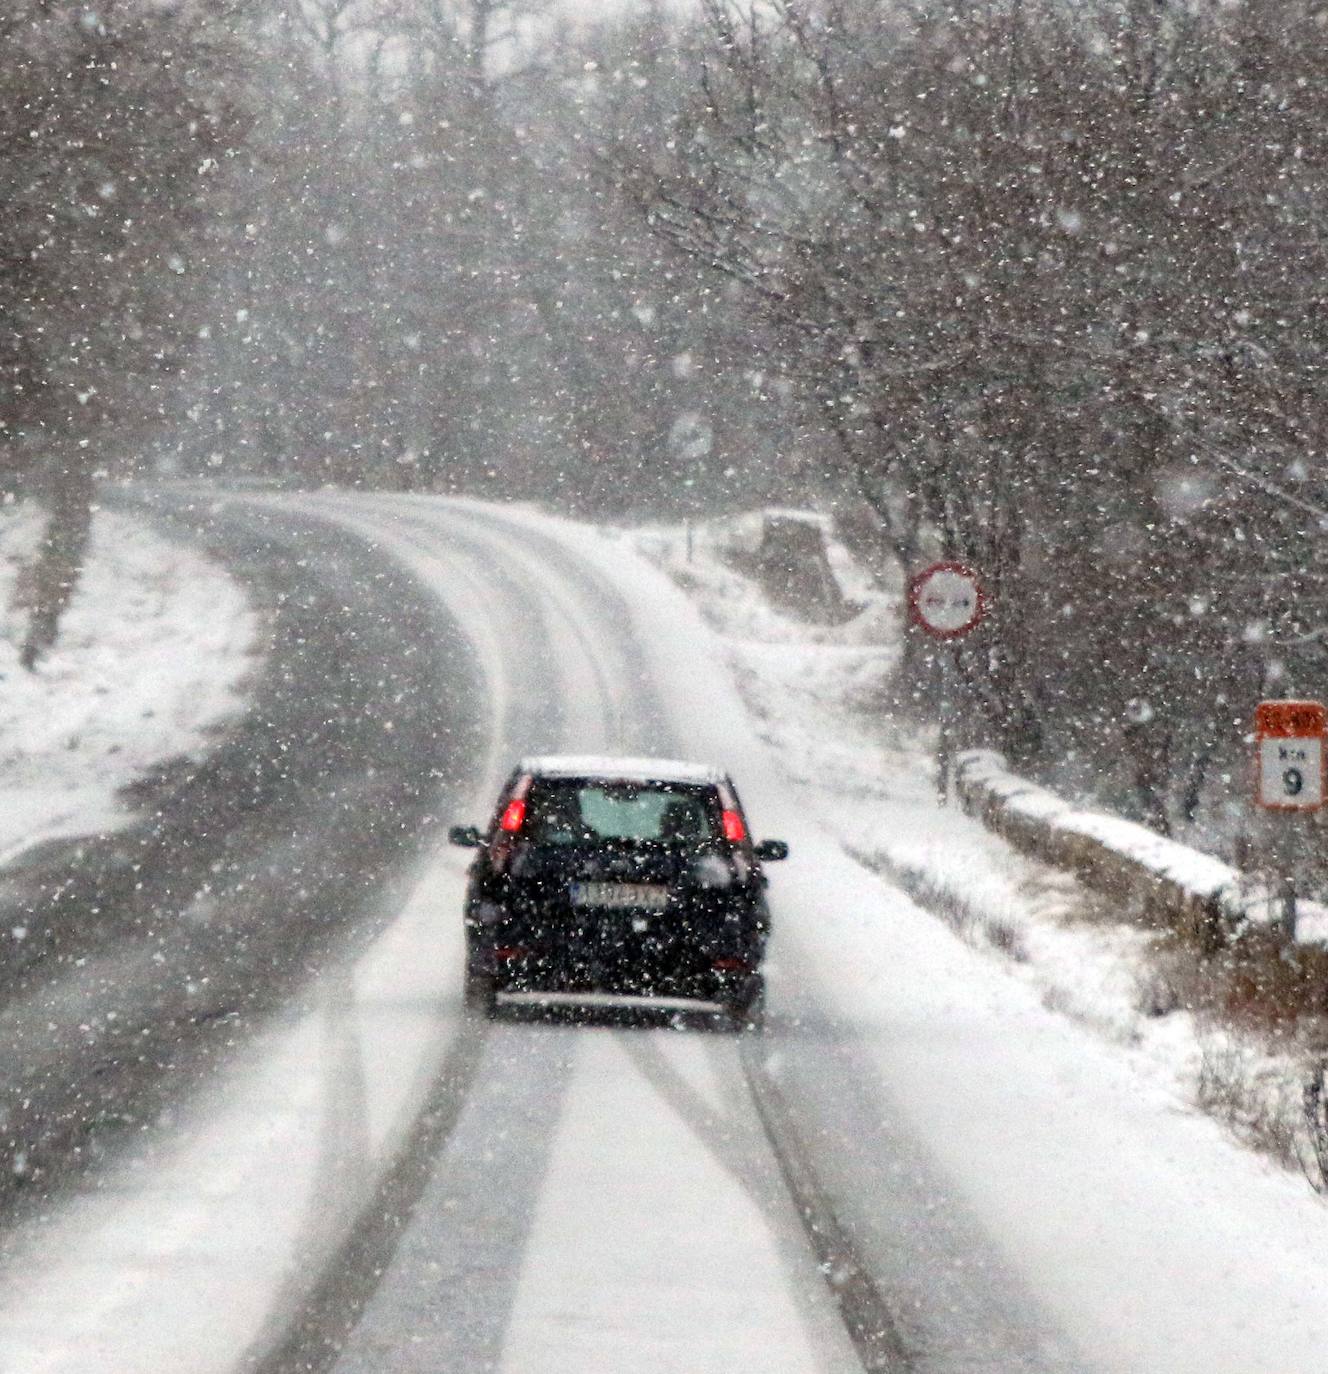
[(629, 877)]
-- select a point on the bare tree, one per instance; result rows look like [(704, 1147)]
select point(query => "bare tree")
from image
[(119, 124), (1051, 273), (439, 287)]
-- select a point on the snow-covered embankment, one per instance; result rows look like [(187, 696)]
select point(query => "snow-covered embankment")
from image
[(150, 663)]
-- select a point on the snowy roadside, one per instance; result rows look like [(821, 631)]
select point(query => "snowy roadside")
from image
[(815, 692), (149, 666)]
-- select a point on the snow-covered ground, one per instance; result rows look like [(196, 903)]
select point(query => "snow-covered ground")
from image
[(150, 663), (818, 695), (1152, 1240)]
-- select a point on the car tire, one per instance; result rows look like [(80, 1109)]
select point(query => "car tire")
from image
[(481, 995), (746, 1011)]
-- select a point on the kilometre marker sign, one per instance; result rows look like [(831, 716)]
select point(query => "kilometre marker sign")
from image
[(1289, 755)]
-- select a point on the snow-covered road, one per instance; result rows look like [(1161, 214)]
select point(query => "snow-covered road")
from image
[(606, 1197)]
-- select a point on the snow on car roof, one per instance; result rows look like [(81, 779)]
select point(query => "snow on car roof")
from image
[(606, 766)]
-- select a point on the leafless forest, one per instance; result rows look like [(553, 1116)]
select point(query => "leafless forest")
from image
[(1036, 283)]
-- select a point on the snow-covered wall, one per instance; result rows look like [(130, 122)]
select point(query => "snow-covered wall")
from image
[(1164, 882)]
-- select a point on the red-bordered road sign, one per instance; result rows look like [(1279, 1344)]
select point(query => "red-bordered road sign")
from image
[(947, 600), (1289, 755)]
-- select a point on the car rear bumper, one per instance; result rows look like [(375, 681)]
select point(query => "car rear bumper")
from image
[(611, 1001)]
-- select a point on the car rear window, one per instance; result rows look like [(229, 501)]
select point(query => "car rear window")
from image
[(584, 811)]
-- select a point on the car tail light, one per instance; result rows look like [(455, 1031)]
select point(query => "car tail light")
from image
[(506, 952), (735, 832), (731, 966), (514, 816)]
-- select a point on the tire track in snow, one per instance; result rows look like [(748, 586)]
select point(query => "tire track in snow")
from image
[(311, 1340), (530, 711), (860, 1303), (593, 715), (866, 1313)]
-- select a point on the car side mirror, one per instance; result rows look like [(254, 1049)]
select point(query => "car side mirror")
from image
[(770, 850), (466, 836)]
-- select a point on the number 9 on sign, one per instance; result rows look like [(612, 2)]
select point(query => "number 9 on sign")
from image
[(1290, 773)]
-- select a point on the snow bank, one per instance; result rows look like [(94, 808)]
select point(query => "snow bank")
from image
[(149, 665)]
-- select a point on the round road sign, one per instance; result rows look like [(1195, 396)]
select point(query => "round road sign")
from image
[(947, 600)]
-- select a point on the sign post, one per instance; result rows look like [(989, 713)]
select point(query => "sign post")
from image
[(1289, 778), (947, 601)]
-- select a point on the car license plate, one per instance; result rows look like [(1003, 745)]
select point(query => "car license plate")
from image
[(641, 896)]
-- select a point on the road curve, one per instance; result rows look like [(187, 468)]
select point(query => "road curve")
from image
[(405, 1192), (568, 639), (638, 1151)]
